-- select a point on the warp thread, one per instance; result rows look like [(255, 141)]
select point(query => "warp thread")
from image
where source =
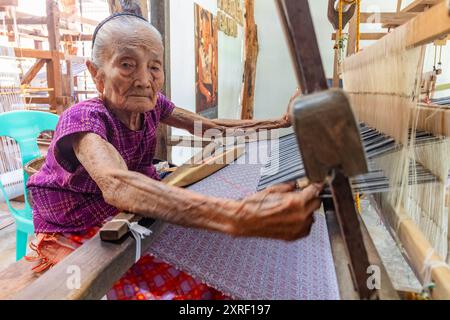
[(428, 265)]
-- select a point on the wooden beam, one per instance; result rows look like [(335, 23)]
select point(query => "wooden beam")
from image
[(365, 36), (37, 54), (24, 34), (429, 25), (390, 18), (420, 5), (416, 246), (54, 76), (160, 18), (351, 42), (76, 18), (399, 6), (37, 100), (4, 3), (32, 53), (250, 61), (29, 76), (31, 21), (336, 75)]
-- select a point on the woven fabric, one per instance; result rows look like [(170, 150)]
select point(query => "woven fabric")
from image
[(251, 268), (65, 197)]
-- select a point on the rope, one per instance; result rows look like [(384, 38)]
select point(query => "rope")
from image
[(358, 21), (139, 232)]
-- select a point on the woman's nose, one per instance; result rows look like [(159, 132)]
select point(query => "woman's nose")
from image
[(143, 79)]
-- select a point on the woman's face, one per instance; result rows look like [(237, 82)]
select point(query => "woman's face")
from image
[(133, 75)]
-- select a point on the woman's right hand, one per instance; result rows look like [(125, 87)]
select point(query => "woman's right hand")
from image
[(278, 212)]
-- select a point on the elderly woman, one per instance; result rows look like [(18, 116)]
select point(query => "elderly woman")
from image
[(100, 162)]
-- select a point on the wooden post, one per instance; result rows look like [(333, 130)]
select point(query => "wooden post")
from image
[(160, 18), (251, 58), (54, 66), (336, 76), (29, 76), (351, 43)]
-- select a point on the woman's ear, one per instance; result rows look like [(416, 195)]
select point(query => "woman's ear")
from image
[(94, 71)]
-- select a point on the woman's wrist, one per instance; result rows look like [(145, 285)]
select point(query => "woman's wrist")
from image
[(228, 217)]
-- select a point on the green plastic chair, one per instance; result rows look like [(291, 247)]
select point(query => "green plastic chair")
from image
[(24, 127)]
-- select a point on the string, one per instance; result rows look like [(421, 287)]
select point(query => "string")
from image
[(383, 83), (428, 266), (139, 232)]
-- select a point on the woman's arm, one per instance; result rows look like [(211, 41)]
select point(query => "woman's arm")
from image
[(199, 125), (278, 212), (187, 120)]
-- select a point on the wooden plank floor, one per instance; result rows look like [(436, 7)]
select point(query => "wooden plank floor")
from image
[(8, 238)]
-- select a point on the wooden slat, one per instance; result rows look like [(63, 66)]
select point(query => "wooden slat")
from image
[(430, 25), (389, 18), (29, 21), (341, 262), (37, 100), (160, 18), (351, 43), (54, 67), (29, 76), (251, 49), (419, 5), (32, 53), (9, 3), (76, 18), (399, 6), (299, 30), (365, 36), (416, 245)]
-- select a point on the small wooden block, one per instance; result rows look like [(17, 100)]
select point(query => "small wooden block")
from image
[(115, 230)]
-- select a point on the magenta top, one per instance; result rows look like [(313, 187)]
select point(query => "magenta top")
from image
[(65, 198)]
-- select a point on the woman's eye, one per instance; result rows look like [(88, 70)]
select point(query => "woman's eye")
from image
[(154, 68), (127, 65)]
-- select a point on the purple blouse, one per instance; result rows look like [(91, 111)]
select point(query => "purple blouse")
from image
[(65, 198)]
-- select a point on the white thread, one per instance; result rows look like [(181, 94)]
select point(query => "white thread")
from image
[(139, 232), (428, 266)]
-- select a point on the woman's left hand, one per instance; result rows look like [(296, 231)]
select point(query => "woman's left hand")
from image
[(287, 120)]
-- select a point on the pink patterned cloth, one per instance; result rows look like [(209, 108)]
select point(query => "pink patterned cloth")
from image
[(65, 198)]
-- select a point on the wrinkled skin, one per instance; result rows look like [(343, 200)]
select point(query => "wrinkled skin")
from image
[(129, 82)]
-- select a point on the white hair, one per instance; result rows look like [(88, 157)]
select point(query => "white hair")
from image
[(119, 29)]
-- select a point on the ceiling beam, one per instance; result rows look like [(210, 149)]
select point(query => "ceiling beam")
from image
[(4, 3), (420, 5), (365, 36), (389, 18)]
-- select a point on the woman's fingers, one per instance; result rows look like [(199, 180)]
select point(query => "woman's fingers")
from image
[(281, 188), (312, 191)]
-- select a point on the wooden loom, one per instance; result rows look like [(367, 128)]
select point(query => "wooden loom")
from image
[(109, 260), (383, 82)]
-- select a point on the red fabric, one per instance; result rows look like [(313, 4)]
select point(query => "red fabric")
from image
[(148, 279)]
